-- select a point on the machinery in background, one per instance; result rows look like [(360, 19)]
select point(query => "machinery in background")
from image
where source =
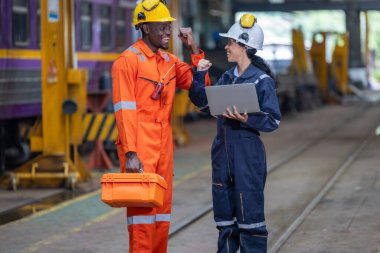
[(102, 32), (59, 133), (318, 56), (339, 64), (297, 87), (318, 76), (329, 53)]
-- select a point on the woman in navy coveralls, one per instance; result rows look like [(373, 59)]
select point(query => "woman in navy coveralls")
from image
[(239, 166)]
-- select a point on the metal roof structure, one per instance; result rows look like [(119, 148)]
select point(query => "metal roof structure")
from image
[(297, 5)]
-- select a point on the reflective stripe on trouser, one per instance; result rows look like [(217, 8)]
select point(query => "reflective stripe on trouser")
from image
[(239, 205), (149, 227)]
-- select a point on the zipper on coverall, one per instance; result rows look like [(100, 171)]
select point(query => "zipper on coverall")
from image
[(225, 145)]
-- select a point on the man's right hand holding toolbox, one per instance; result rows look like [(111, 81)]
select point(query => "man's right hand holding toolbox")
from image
[(133, 163)]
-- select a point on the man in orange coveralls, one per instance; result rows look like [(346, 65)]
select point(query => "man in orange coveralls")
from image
[(144, 83)]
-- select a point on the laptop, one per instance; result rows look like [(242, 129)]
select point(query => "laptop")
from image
[(243, 96)]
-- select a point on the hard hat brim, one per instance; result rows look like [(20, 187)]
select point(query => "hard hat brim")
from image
[(226, 35), (170, 19)]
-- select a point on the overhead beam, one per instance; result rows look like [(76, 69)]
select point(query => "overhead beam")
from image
[(306, 6)]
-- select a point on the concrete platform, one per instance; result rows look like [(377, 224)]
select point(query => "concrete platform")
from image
[(81, 224)]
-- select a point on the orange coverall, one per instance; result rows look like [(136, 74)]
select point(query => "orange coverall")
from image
[(144, 127)]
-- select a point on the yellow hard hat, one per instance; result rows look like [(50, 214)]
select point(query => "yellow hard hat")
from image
[(151, 11)]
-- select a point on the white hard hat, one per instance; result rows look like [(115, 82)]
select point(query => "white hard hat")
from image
[(247, 32)]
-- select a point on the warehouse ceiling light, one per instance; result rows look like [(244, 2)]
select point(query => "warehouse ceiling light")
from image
[(276, 1)]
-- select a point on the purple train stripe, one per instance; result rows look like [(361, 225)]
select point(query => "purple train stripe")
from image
[(22, 111), (14, 63), (20, 63), (36, 64), (88, 64)]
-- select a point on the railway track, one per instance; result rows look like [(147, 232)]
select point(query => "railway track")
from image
[(276, 244), (29, 208), (326, 188)]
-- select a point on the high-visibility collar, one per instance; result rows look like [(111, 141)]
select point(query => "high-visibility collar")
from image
[(147, 51)]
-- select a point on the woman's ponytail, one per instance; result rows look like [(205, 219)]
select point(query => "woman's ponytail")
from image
[(259, 62)]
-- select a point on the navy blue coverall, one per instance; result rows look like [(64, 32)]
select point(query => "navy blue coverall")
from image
[(239, 163)]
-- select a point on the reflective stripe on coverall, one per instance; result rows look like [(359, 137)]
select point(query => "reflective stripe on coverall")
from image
[(144, 127), (239, 164)]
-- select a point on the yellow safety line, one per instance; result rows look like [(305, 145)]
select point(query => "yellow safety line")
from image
[(55, 208), (36, 55), (56, 238), (52, 239)]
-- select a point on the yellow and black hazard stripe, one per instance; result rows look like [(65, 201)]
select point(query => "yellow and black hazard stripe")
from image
[(99, 126)]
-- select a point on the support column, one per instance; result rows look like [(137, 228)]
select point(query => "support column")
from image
[(353, 27)]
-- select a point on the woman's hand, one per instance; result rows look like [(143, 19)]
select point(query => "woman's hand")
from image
[(204, 65), (234, 114)]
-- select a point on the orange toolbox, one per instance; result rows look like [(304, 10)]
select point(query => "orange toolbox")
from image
[(133, 189)]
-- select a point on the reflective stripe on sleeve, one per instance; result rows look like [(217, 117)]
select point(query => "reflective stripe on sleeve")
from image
[(260, 78), (253, 225), (204, 107), (151, 219), (277, 121), (124, 105)]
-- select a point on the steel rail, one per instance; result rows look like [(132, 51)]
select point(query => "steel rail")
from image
[(326, 188), (177, 228)]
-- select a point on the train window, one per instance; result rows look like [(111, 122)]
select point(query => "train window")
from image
[(86, 25), (20, 22), (105, 27), (120, 29), (1, 11), (38, 5)]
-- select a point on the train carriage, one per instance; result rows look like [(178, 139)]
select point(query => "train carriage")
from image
[(102, 30)]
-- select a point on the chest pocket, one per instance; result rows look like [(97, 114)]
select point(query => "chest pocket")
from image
[(146, 87), (150, 73)]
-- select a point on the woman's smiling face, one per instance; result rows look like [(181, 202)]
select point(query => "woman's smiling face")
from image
[(234, 51)]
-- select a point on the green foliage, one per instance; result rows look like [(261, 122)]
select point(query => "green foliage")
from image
[(374, 35), (376, 74)]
